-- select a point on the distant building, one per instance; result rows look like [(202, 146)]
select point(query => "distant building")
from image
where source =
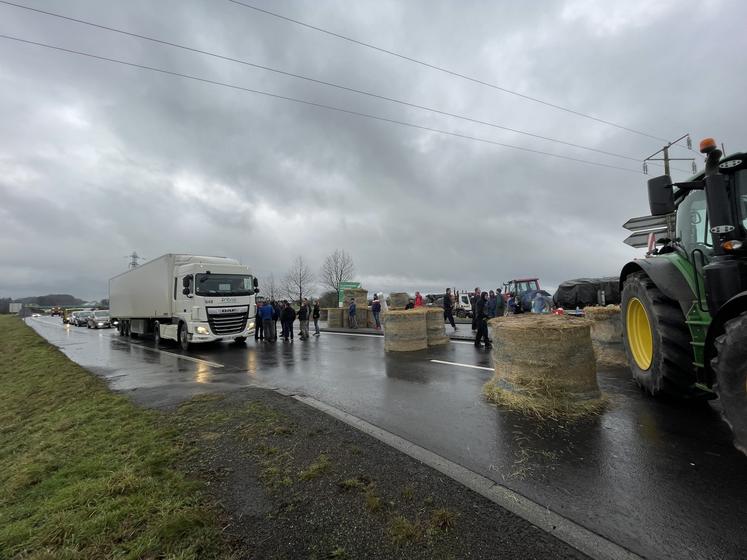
[(14, 307)]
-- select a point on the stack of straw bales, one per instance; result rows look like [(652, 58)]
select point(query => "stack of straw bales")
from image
[(361, 316), (335, 317), (435, 327), (398, 300), (358, 294), (544, 364), (606, 335), (405, 331)]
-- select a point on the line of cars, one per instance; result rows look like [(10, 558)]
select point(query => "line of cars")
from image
[(98, 319)]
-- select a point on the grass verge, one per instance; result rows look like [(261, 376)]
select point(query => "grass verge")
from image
[(83, 472)]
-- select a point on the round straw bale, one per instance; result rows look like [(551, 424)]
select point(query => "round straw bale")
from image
[(398, 300), (405, 331), (435, 327), (606, 335), (361, 317), (358, 294), (334, 318), (544, 364)]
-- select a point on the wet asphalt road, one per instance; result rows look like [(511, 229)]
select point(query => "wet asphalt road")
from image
[(658, 478)]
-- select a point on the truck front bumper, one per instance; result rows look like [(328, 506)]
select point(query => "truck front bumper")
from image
[(200, 332)]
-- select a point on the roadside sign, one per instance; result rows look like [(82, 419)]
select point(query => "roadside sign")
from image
[(344, 285)]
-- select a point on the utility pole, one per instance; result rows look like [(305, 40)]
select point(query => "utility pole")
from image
[(665, 156)]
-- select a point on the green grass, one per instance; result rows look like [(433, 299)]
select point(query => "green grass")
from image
[(83, 472), (403, 531), (317, 468)]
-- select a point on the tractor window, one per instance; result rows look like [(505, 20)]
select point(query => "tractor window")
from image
[(741, 179), (692, 223)]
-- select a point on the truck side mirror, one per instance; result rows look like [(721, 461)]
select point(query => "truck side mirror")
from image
[(186, 291), (186, 281), (256, 283), (661, 195)]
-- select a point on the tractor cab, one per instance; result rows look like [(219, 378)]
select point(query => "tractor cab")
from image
[(684, 306)]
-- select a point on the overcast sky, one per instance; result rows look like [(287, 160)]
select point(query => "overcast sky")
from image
[(99, 159)]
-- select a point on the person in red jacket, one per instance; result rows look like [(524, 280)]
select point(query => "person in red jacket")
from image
[(418, 300)]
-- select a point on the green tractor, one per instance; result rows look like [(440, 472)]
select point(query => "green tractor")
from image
[(684, 306)]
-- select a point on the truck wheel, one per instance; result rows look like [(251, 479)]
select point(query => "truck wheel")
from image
[(183, 337), (730, 367), (157, 333), (656, 339), (461, 314)]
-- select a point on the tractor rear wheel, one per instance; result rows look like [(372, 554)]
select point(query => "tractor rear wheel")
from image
[(730, 367), (656, 339)]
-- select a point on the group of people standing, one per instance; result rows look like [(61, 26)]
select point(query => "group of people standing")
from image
[(270, 312)]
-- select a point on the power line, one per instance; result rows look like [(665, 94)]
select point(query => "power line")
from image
[(312, 103), (445, 70), (322, 82)]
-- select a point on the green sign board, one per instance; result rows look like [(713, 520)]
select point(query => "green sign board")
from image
[(344, 285)]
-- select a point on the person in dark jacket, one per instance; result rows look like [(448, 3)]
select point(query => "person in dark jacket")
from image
[(303, 319), (410, 305), (376, 311), (449, 309), (481, 313), (492, 303), (287, 316), (352, 320), (500, 304), (474, 297), (275, 319), (316, 312), (258, 326)]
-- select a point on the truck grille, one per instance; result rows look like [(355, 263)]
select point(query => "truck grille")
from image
[(229, 323)]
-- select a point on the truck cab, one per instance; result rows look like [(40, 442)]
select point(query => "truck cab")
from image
[(214, 301)]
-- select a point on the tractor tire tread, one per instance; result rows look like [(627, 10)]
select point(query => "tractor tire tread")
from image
[(730, 369), (676, 370)]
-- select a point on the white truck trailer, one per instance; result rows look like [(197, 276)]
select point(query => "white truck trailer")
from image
[(186, 298)]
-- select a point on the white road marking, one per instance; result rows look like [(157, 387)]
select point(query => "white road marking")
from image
[(579, 537), (180, 356), (461, 365), (354, 334)]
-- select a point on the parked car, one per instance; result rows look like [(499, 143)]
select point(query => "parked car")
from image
[(81, 318), (99, 320)]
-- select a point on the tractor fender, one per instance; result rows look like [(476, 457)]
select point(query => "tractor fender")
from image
[(667, 278), (731, 309)]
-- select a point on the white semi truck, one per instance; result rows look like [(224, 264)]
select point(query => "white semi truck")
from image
[(186, 298)]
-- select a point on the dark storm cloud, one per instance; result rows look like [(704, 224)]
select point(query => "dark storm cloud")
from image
[(98, 159)]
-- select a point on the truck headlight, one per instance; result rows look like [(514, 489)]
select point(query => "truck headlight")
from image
[(100, 324), (202, 330), (250, 325)]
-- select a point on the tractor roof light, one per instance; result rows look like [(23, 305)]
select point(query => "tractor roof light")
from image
[(707, 145), (731, 245)]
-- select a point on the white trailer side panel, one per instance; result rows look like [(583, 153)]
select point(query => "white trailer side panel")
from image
[(145, 291)]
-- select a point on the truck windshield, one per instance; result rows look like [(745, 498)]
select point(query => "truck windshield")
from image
[(223, 285)]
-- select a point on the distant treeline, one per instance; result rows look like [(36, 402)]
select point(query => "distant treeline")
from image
[(62, 300)]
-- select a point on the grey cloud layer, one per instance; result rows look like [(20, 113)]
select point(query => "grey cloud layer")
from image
[(97, 160)]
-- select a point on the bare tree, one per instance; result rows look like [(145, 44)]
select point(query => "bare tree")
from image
[(337, 268), (270, 288), (299, 280)]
